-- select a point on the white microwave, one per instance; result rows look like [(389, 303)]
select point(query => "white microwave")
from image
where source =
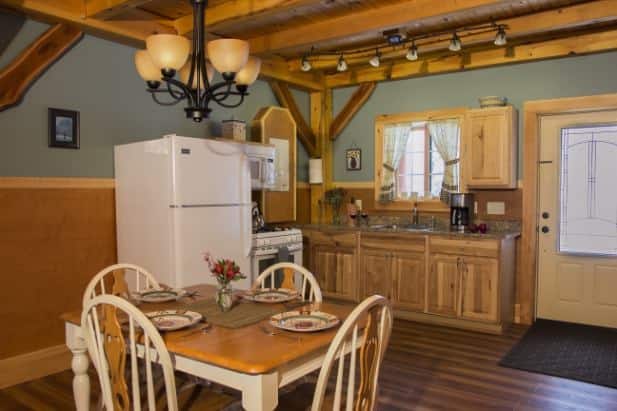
[(261, 164)]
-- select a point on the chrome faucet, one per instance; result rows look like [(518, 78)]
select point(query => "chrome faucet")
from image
[(414, 214)]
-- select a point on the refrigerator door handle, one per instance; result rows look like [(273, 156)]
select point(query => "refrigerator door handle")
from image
[(248, 229)]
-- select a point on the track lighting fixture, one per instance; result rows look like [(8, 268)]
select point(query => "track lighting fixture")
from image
[(455, 43), (412, 53), (342, 64), (376, 59), (306, 64), (500, 37)]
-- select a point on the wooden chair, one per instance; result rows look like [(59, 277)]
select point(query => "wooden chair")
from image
[(100, 284), (108, 343), (376, 316), (295, 277)]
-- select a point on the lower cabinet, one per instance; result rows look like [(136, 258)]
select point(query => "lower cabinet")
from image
[(409, 279), (376, 273), (443, 285), (479, 291)]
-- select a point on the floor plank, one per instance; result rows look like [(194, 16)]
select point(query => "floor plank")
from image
[(426, 367)]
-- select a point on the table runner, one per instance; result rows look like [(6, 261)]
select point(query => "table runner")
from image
[(243, 313)]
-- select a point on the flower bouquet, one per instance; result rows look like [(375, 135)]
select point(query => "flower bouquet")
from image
[(225, 271)]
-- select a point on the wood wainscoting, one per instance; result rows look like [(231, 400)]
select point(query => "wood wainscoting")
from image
[(55, 234)]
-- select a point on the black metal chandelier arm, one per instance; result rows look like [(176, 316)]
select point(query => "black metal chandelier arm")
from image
[(163, 103), (180, 94), (213, 92), (220, 103)]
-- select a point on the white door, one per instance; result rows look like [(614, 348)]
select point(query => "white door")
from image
[(577, 270)]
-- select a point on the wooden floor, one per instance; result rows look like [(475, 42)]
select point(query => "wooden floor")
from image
[(426, 368)]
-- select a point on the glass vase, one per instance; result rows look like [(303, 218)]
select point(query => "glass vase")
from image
[(224, 297)]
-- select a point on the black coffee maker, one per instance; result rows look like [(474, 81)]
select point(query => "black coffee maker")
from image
[(461, 209)]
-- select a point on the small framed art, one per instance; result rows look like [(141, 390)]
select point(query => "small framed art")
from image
[(353, 158), (63, 128)]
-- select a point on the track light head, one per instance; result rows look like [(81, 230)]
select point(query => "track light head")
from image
[(306, 64), (342, 64), (500, 37), (375, 61), (412, 53), (455, 43)]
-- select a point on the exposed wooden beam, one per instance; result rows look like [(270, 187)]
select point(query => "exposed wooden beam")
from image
[(372, 22), (32, 62), (286, 99), (355, 103), (235, 11), (105, 9), (128, 32), (275, 70), (564, 47), (565, 18)]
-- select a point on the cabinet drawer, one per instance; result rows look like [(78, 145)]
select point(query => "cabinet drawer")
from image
[(393, 242), (334, 239), (474, 248)]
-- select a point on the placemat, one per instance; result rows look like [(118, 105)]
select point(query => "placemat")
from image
[(242, 314)]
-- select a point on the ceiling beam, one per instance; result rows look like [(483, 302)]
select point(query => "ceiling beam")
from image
[(128, 32), (361, 23), (305, 133), (274, 70), (106, 9), (235, 11), (604, 11), (19, 75), (556, 48), (354, 104)]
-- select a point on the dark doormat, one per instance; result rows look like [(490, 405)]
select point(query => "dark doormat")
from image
[(578, 352)]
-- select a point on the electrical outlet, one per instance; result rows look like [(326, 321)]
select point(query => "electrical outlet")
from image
[(495, 207)]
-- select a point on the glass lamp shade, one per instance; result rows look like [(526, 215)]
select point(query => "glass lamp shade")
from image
[(146, 67), (168, 51), (185, 71), (248, 74), (228, 55)]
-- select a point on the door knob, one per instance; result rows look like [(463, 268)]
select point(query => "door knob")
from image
[(545, 229), (545, 215)]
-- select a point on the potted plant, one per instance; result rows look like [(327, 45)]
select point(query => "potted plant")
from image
[(334, 198), (225, 271)]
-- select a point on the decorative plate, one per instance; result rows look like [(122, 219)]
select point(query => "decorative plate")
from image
[(271, 295), (304, 322), (171, 320), (158, 295)]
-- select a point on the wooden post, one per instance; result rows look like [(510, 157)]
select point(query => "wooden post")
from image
[(321, 118)]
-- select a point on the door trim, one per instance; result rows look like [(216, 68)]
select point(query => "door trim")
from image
[(533, 111)]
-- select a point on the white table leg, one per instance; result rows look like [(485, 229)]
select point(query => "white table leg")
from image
[(81, 380), (261, 393)]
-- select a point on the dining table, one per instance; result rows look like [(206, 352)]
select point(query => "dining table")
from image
[(255, 359)]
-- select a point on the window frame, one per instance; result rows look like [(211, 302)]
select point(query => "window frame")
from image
[(381, 121)]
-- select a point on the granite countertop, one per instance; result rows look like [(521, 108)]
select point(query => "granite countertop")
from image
[(438, 231)]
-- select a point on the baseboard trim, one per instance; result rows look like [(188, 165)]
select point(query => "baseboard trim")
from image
[(34, 365), (55, 182)]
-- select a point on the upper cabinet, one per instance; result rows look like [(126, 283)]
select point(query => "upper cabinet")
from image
[(490, 147), (275, 125)]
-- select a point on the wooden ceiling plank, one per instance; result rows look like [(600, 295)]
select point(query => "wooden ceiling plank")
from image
[(106, 9), (19, 75), (375, 20), (354, 104), (305, 133), (125, 32), (535, 24), (543, 50), (234, 11)]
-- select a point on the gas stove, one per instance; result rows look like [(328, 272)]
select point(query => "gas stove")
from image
[(269, 240)]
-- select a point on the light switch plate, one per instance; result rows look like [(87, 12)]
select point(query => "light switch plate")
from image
[(495, 207)]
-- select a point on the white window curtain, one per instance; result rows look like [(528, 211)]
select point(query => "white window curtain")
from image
[(395, 141), (445, 134)]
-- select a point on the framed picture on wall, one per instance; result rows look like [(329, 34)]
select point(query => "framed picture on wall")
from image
[(63, 128), (353, 158)]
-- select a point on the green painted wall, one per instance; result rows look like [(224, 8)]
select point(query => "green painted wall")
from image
[(98, 78), (577, 76)]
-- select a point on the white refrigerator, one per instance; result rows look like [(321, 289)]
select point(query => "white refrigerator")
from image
[(177, 198)]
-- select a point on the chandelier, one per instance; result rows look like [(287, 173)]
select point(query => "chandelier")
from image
[(164, 67)]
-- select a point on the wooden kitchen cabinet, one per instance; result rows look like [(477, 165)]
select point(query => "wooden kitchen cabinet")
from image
[(490, 145), (443, 285), (409, 279), (333, 262), (376, 273), (479, 288)]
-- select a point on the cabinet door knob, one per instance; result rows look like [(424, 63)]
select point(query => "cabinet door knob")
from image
[(545, 229)]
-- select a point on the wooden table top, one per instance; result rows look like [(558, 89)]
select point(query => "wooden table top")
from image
[(248, 349)]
